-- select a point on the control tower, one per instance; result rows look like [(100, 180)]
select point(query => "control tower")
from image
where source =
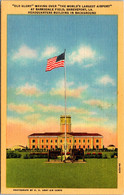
[(62, 123)]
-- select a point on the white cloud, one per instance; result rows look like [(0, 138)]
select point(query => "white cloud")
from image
[(61, 83), (20, 108), (95, 119), (61, 109), (75, 93), (88, 65), (84, 52), (105, 80), (33, 117), (98, 103), (25, 52), (28, 90), (49, 51), (70, 92)]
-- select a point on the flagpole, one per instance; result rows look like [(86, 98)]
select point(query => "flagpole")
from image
[(65, 109)]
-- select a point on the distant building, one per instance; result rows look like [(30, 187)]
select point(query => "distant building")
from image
[(57, 139), (18, 147), (111, 147)]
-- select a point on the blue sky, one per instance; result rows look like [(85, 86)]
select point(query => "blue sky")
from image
[(91, 62)]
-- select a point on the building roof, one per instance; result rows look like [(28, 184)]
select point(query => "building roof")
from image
[(111, 145), (16, 146), (84, 134), (67, 116), (70, 133), (46, 134)]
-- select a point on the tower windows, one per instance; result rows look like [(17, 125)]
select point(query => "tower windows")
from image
[(97, 141), (33, 140)]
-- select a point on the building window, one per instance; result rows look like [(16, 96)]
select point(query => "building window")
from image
[(42, 146), (33, 140), (75, 140), (88, 140), (97, 147), (56, 147), (79, 141), (51, 147), (83, 146), (56, 140), (70, 140), (46, 146), (97, 141), (79, 146), (33, 146), (47, 140), (88, 146), (42, 140), (84, 140), (51, 141), (61, 140), (74, 146)]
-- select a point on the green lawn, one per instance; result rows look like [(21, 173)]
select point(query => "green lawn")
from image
[(34, 173)]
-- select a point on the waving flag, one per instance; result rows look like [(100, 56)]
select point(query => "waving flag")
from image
[(55, 62)]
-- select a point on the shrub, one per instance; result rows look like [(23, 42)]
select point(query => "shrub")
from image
[(38, 155), (88, 155), (99, 155), (18, 155), (31, 156), (13, 155), (26, 156), (115, 154), (105, 156), (93, 155)]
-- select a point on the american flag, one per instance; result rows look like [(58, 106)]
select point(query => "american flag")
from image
[(55, 62)]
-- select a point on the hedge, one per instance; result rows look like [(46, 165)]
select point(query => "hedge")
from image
[(13, 155), (93, 155), (35, 155)]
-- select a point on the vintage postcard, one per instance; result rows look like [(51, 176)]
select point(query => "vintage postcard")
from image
[(62, 93)]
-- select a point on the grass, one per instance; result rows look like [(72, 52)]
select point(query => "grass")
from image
[(34, 173)]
